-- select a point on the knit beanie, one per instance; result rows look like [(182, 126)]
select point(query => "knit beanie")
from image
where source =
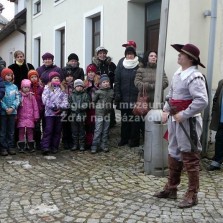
[(104, 77), (33, 72), (53, 74), (130, 50), (73, 56), (100, 48), (6, 71), (47, 56), (25, 83), (91, 67), (78, 82)]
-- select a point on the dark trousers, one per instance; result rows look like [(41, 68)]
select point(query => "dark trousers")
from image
[(130, 126), (67, 132), (51, 133), (90, 126), (78, 133), (7, 130), (218, 157)]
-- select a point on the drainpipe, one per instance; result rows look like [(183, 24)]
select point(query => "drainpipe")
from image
[(23, 32), (211, 47)]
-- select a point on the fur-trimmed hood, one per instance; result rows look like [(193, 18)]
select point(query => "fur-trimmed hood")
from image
[(98, 62)]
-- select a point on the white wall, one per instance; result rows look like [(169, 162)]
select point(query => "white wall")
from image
[(8, 46)]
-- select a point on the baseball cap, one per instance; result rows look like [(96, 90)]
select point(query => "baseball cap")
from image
[(130, 43)]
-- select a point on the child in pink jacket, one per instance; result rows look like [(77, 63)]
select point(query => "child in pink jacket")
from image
[(28, 114)]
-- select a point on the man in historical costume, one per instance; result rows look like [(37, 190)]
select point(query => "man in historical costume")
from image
[(187, 98)]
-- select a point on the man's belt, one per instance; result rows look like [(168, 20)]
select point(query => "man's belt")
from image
[(175, 107)]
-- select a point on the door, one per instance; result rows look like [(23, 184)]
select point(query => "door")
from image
[(152, 25), (152, 36)]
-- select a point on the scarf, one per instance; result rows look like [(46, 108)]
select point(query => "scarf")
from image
[(129, 64), (20, 64), (35, 88)]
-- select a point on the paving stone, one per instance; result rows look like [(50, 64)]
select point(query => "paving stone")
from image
[(101, 188)]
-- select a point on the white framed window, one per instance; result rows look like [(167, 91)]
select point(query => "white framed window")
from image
[(37, 60), (93, 33), (37, 7), (60, 45)]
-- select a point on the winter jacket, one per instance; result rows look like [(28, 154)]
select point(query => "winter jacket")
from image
[(28, 111), (92, 86), (146, 77), (11, 98), (38, 91), (55, 100), (216, 108), (125, 90), (20, 72), (2, 89), (105, 67), (76, 72), (79, 103), (103, 101), (69, 87), (44, 71)]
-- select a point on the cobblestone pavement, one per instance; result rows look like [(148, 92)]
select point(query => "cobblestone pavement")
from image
[(105, 187)]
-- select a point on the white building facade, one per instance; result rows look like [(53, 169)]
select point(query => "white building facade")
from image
[(66, 26)]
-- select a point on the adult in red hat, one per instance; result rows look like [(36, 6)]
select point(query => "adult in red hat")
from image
[(187, 98), (131, 43)]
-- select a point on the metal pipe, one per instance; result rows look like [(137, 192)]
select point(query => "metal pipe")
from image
[(161, 53), (210, 63)]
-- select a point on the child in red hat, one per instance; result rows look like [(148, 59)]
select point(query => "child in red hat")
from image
[(28, 114), (9, 105), (91, 84), (37, 89)]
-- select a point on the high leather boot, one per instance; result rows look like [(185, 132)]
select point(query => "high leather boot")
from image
[(21, 146), (191, 161), (31, 146), (170, 189)]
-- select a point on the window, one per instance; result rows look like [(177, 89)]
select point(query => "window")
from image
[(60, 45), (37, 7), (37, 60), (93, 33), (96, 31)]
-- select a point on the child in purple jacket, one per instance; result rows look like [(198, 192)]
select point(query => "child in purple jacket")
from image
[(28, 114), (55, 100)]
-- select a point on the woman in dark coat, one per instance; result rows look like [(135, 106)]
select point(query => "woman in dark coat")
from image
[(20, 68), (125, 97)]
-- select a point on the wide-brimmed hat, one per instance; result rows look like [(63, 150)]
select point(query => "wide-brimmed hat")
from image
[(189, 49)]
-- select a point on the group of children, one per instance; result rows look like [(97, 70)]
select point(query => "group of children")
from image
[(78, 110)]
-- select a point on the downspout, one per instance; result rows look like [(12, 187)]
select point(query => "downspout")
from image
[(211, 47), (23, 32)]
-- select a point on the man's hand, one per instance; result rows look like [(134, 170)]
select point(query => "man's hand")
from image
[(177, 117), (165, 116)]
